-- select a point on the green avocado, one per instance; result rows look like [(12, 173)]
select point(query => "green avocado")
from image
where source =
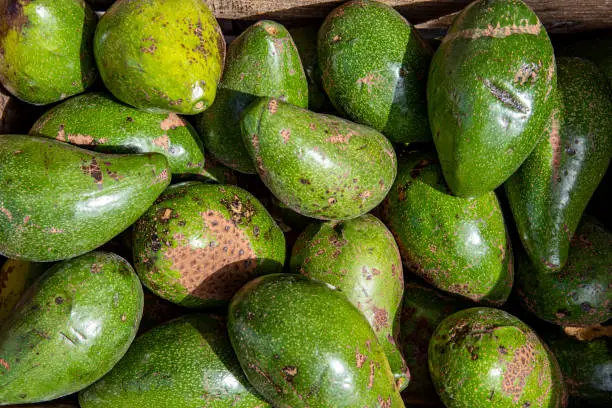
[(374, 66), (69, 329), (579, 294), (199, 243), (46, 48), (303, 344), (360, 258), (262, 61), (15, 278), (594, 46), (550, 191), (98, 122), (185, 363), (318, 165), (490, 92), (483, 357), (459, 245), (161, 55), (59, 201)]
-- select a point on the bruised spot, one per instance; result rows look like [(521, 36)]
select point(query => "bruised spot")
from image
[(270, 29), (289, 372), (496, 31), (4, 363), (332, 201), (15, 16), (312, 126), (371, 377), (95, 268), (365, 194), (166, 214), (286, 134), (163, 141), (381, 318), (360, 359), (340, 138), (7, 213), (555, 144), (272, 106), (93, 170), (528, 72), (336, 38), (516, 373), (505, 97), (172, 122)]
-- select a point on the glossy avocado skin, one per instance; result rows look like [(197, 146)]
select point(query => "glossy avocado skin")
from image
[(490, 93), (484, 357), (185, 363), (374, 66), (579, 294), (303, 344), (550, 191), (97, 121), (262, 61), (458, 245), (15, 278), (318, 165), (69, 329), (360, 258), (161, 55), (59, 201), (46, 48), (199, 243)]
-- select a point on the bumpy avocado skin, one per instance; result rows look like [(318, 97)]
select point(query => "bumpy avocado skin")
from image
[(69, 329), (185, 363), (318, 165), (15, 278), (199, 243), (579, 294), (483, 357), (490, 93), (550, 191), (262, 61), (459, 245), (374, 69), (161, 55), (59, 201), (46, 49), (361, 259), (303, 344)]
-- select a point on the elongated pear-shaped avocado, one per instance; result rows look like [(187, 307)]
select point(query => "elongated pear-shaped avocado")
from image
[(550, 191), (59, 201), (459, 245), (46, 48), (490, 93), (361, 259), (262, 61), (303, 344), (483, 357), (374, 65), (161, 55), (318, 165), (199, 243), (69, 329), (96, 121), (15, 278), (185, 363)]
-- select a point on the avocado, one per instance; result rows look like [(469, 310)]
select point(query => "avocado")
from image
[(595, 46), (302, 344), (484, 357), (15, 278), (262, 61), (360, 258), (161, 55), (458, 245), (59, 201), (185, 363), (579, 294), (550, 191), (69, 329), (199, 243), (318, 165), (489, 93), (46, 49), (374, 66)]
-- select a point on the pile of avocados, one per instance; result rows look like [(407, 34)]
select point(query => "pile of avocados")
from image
[(337, 215)]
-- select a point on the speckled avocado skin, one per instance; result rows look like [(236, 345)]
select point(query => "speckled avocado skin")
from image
[(459, 245), (185, 363), (318, 165), (161, 55), (69, 329), (46, 48), (483, 357), (579, 294), (15, 278), (361, 259), (59, 201), (199, 243), (550, 191), (98, 122), (374, 67), (262, 61), (303, 344), (490, 93)]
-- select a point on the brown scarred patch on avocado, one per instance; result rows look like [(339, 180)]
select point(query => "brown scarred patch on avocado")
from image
[(151, 47), (93, 170), (496, 31), (517, 371), (77, 138), (4, 363), (162, 177), (163, 141), (15, 16), (528, 72), (270, 29), (369, 80), (381, 318), (360, 359), (289, 373), (555, 143), (95, 268), (273, 106), (286, 134), (371, 377), (384, 403), (241, 212), (172, 122), (7, 213)]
